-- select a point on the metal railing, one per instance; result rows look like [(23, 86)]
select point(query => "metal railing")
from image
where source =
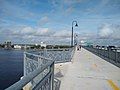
[(39, 69), (38, 74), (111, 55), (58, 55)]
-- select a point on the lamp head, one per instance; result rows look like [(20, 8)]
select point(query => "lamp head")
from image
[(76, 25)]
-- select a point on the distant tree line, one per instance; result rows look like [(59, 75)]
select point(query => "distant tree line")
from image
[(30, 46), (49, 46)]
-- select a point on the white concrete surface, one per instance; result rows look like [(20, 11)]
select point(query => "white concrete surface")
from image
[(87, 72)]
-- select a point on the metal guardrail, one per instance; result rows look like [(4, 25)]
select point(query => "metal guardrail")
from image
[(39, 69), (58, 55), (38, 74), (111, 55)]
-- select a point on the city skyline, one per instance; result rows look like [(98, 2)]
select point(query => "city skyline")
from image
[(33, 21)]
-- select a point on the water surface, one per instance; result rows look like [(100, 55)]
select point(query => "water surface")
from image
[(11, 67)]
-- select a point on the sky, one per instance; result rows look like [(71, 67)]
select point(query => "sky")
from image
[(50, 21)]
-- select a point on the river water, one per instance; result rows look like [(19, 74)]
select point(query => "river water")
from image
[(11, 67)]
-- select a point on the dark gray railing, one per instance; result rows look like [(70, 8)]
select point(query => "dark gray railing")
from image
[(58, 55), (111, 55), (38, 74), (39, 69)]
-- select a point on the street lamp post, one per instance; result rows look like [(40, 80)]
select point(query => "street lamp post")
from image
[(72, 31)]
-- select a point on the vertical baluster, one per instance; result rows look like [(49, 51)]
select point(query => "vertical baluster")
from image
[(64, 54), (24, 64), (109, 54), (116, 55), (52, 76)]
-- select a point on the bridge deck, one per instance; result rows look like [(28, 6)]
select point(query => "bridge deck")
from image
[(88, 72)]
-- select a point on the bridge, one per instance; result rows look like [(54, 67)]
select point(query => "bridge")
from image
[(87, 71), (68, 69)]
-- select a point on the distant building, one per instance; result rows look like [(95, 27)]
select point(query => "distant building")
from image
[(8, 45), (17, 46), (43, 44), (83, 43)]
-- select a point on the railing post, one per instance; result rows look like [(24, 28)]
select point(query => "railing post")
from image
[(98, 51), (24, 63), (64, 54), (50, 82), (52, 77), (72, 53), (104, 52), (39, 62), (116, 55), (109, 54)]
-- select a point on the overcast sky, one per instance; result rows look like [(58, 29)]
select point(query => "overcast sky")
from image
[(33, 21)]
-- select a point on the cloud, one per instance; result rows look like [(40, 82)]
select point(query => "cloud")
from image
[(65, 2), (37, 31), (109, 31), (65, 6), (104, 2), (43, 32), (34, 35), (69, 10), (110, 3), (70, 2), (105, 31), (63, 33), (116, 32), (27, 31), (86, 35), (104, 7), (7, 9), (43, 20)]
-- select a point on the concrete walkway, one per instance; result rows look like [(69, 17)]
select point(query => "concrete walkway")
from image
[(87, 72)]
